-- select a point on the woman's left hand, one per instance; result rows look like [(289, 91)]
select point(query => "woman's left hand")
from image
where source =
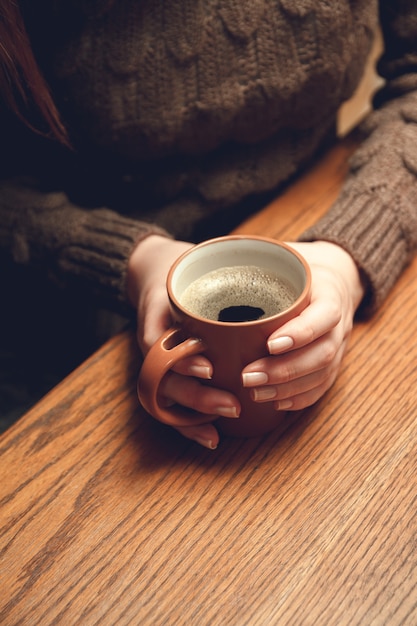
[(306, 353)]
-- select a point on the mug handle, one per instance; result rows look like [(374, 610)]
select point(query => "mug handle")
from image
[(170, 348)]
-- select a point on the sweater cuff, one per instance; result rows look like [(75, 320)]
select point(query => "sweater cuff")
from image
[(368, 226), (100, 252)]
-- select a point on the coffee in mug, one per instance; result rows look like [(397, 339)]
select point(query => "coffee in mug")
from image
[(241, 293)]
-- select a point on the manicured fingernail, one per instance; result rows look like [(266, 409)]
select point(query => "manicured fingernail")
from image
[(227, 411), (254, 378), (201, 371), (280, 344), (283, 405), (207, 443), (264, 393), (202, 434)]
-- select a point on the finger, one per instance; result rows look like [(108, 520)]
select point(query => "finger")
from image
[(319, 318), (188, 392), (301, 392), (305, 399), (204, 434), (322, 354), (197, 366), (285, 398), (286, 391)]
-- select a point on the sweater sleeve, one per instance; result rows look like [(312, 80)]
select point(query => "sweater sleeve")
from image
[(90, 246), (375, 216)]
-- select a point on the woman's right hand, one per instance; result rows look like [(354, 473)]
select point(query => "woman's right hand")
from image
[(148, 268)]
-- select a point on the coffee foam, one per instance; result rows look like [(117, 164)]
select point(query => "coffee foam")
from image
[(241, 285)]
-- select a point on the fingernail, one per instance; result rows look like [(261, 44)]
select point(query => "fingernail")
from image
[(283, 405), (280, 344), (264, 393), (227, 411), (254, 378), (202, 434), (207, 443), (201, 371)]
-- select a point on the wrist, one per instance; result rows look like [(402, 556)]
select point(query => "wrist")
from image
[(346, 266), (333, 257)]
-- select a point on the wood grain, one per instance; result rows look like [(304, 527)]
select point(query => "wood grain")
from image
[(110, 518)]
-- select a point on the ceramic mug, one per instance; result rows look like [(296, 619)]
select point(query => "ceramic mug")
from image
[(228, 345)]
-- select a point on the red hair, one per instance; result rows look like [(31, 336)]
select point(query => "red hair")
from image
[(21, 80)]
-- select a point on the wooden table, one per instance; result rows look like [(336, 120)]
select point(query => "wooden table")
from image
[(110, 518)]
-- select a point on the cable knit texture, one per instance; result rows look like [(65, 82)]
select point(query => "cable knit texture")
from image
[(181, 110)]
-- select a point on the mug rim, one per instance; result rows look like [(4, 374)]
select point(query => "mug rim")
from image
[(278, 316)]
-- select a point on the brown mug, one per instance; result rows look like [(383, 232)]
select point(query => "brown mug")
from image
[(236, 332)]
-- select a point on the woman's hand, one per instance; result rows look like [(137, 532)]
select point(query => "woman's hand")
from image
[(147, 273), (307, 351)]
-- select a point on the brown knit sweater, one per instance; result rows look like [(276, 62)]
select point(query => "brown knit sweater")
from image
[(180, 111)]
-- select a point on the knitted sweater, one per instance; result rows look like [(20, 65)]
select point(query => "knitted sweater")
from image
[(181, 111)]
